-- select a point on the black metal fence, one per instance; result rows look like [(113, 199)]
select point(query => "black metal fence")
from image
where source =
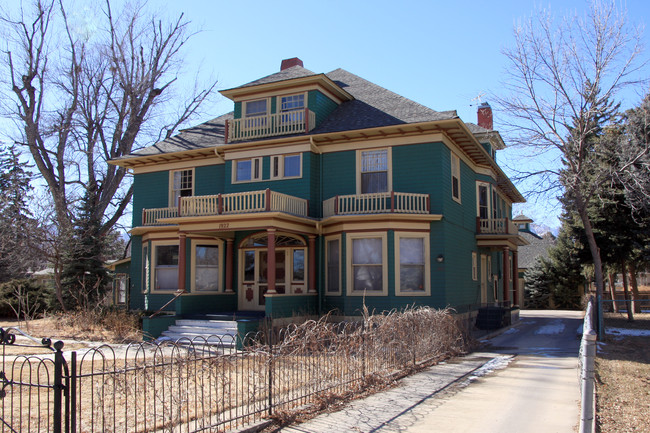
[(192, 386)]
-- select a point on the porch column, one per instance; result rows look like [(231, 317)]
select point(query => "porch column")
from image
[(228, 266), (506, 274), (182, 253), (515, 278), (270, 266), (312, 265)]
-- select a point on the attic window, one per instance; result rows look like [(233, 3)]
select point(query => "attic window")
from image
[(293, 102), (256, 108)]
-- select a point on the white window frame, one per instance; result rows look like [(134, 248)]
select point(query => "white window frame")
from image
[(173, 200), (255, 177), (455, 174), (389, 175), (280, 164), (119, 278), (244, 108), (327, 249), (210, 242), (146, 269), (488, 199), (281, 109), (474, 266), (349, 241), (426, 267), (153, 265)]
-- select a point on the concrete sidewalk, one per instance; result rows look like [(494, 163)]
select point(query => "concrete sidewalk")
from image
[(382, 411)]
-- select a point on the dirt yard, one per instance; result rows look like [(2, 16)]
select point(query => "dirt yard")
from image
[(623, 376)]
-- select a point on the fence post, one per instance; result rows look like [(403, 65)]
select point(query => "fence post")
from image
[(73, 393), (588, 367), (270, 343), (59, 361)]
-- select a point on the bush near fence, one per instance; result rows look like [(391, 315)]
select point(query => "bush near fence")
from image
[(188, 386)]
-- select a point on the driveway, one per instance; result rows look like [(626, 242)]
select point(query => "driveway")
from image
[(525, 380)]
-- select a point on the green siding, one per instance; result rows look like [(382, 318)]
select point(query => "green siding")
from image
[(339, 174), (288, 305), (150, 190), (321, 105), (237, 114), (209, 180), (221, 303)]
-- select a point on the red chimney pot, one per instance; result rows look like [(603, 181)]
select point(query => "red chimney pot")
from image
[(289, 63), (485, 116)]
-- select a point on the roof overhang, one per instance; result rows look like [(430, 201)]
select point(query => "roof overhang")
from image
[(320, 80)]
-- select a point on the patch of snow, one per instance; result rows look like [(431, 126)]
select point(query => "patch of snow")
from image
[(552, 329), (628, 332), (511, 331), (498, 363)]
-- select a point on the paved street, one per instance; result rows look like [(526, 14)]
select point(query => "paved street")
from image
[(525, 380)]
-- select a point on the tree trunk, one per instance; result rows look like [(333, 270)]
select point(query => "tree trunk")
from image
[(626, 292), (635, 288), (612, 291)]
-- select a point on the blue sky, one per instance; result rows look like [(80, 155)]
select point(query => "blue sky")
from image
[(441, 54)]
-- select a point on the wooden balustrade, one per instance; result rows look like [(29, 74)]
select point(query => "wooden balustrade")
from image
[(384, 202), (152, 217), (495, 226), (286, 123)]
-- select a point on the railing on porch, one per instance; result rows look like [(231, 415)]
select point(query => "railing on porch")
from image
[(495, 226), (384, 202), (228, 204), (291, 122)]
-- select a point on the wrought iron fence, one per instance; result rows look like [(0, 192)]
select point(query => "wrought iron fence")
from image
[(192, 386)]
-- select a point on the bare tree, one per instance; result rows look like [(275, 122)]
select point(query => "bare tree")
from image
[(85, 94), (563, 80)]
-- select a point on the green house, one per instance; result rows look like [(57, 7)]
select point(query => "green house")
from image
[(319, 193)]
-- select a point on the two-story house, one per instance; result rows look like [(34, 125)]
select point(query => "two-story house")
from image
[(320, 192)]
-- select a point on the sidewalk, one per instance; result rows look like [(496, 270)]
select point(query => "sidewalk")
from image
[(382, 410)]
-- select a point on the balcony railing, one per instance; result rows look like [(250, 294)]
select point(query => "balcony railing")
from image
[(495, 226), (384, 202), (291, 122), (228, 204)]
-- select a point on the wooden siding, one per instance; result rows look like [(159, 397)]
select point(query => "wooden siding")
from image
[(150, 190), (321, 105)]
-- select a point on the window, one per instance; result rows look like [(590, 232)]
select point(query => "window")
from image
[(333, 277), (121, 287), (495, 212), (374, 171), (145, 269), (247, 170), (182, 185), (291, 108), (455, 177), (165, 267), (474, 266), (205, 269), (411, 267), (256, 108), (286, 166), (482, 199), (298, 265), (367, 264)]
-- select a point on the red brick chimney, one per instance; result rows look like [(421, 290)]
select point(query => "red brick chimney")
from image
[(288, 63), (485, 116)]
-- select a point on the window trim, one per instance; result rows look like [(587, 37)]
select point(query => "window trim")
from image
[(328, 239), (427, 263), (220, 271), (116, 280), (280, 159), (152, 265), (279, 102), (389, 175), (455, 173), (350, 237), (479, 184), (244, 108), (172, 201), (146, 269), (236, 162), (474, 266)]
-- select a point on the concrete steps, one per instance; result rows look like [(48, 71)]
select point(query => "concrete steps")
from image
[(199, 331)]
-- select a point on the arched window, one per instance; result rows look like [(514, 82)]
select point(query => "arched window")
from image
[(281, 240)]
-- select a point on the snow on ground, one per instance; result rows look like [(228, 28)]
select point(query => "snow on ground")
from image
[(498, 363), (623, 332), (556, 327)]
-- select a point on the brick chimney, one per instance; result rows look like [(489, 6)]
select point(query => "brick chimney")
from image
[(485, 116), (288, 63)]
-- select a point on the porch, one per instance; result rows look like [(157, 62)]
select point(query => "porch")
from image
[(278, 124)]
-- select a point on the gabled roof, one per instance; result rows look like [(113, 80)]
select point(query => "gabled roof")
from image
[(287, 74), (536, 248)]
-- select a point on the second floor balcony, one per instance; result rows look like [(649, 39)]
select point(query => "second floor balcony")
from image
[(227, 204), (285, 123), (495, 226), (375, 203)]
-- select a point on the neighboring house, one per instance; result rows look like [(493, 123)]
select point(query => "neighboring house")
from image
[(121, 281), (323, 192), (537, 248)]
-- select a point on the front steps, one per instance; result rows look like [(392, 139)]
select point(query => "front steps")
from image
[(201, 331)]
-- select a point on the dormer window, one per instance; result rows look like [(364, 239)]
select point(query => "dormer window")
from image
[(256, 108), (293, 102)]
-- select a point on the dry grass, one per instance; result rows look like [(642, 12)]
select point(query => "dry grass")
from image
[(623, 379), (106, 327)]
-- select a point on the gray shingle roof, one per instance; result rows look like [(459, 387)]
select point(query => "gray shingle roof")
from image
[(536, 248), (373, 106)]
